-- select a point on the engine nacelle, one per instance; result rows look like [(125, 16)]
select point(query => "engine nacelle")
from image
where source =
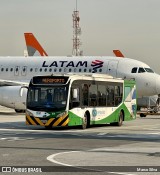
[(9, 97)]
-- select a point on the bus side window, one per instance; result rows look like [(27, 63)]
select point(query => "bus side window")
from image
[(101, 95), (110, 95), (93, 95), (118, 95), (85, 94)]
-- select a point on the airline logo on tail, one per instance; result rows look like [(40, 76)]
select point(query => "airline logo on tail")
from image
[(96, 65), (33, 46)]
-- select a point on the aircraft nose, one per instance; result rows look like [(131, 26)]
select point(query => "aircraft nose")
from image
[(158, 84)]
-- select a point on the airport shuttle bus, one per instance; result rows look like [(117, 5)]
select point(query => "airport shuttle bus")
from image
[(70, 100)]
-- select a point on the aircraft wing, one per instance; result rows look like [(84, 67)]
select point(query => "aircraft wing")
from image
[(12, 83)]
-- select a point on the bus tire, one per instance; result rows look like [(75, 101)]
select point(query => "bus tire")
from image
[(85, 121), (120, 120)]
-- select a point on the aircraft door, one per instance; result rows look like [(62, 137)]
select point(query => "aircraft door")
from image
[(16, 70), (112, 68), (24, 70)]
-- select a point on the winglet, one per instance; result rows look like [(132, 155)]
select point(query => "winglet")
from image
[(33, 45), (118, 53)]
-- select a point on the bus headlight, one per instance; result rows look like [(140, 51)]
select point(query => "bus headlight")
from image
[(29, 113), (62, 114)]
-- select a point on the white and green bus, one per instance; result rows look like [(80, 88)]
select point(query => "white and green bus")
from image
[(74, 99)]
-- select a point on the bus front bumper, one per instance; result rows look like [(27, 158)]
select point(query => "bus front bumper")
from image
[(51, 122)]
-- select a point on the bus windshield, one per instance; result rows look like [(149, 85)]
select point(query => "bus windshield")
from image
[(47, 99)]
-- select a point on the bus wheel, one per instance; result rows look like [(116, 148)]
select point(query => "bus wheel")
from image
[(119, 123), (84, 121)]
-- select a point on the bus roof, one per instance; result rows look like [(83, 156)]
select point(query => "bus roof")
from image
[(64, 78)]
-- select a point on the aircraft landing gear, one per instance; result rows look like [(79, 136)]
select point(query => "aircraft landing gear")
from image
[(19, 111)]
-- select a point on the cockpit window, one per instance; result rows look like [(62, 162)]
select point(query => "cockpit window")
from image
[(134, 70), (149, 70), (141, 70)]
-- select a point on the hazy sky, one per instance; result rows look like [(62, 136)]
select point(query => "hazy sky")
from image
[(133, 26)]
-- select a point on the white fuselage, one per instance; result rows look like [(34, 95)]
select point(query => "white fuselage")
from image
[(24, 68)]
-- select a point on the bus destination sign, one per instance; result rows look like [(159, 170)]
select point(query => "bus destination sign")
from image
[(50, 80)]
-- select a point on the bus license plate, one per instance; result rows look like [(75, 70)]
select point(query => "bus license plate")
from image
[(44, 121)]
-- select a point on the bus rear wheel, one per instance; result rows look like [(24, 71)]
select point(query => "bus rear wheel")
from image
[(120, 120)]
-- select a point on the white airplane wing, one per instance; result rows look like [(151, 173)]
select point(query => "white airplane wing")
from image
[(12, 83)]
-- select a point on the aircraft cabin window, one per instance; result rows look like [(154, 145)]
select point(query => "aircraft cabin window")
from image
[(90, 70), (31, 69), (141, 70), (24, 69), (70, 70), (11, 69), (40, 69), (80, 70), (149, 70), (50, 70), (134, 70), (60, 70), (45, 69), (85, 70), (2, 69), (100, 70), (75, 70), (6, 69), (36, 69), (55, 70)]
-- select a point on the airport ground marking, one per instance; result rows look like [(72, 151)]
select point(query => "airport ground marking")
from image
[(52, 157)]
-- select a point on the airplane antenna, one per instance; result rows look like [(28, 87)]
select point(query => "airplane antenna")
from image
[(76, 33)]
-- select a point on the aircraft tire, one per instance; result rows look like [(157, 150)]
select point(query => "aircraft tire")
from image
[(19, 111), (142, 115)]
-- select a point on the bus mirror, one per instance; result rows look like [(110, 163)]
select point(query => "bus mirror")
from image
[(75, 93), (21, 90)]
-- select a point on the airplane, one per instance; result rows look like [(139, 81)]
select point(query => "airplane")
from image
[(146, 102), (17, 71)]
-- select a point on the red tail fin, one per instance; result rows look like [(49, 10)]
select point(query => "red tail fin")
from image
[(118, 53), (33, 45)]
